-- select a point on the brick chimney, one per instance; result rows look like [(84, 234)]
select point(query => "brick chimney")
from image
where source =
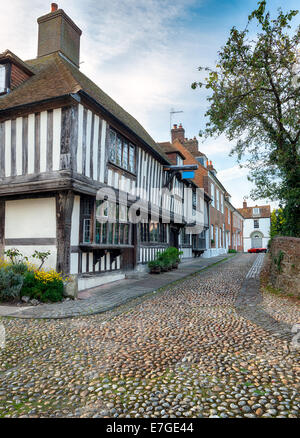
[(245, 204), (177, 133), (192, 146), (58, 33)]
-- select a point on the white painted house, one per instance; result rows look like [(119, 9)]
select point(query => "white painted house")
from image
[(257, 223)]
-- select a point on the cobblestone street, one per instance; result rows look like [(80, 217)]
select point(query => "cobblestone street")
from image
[(197, 348)]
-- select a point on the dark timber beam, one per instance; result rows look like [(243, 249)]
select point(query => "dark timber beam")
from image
[(64, 208), (2, 227)]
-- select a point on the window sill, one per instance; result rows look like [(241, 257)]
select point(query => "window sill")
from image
[(121, 168), (104, 246)]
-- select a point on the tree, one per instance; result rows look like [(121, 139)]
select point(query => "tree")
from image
[(255, 100), (277, 223)]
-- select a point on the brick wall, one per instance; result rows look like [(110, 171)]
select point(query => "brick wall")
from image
[(17, 76), (285, 277)]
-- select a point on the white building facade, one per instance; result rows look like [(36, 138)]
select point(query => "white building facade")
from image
[(257, 224)]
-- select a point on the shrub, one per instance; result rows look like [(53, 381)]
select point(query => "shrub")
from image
[(43, 286), (154, 264), (232, 251), (10, 284), (19, 268)]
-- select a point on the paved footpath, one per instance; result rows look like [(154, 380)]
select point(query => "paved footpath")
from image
[(111, 295), (189, 350)]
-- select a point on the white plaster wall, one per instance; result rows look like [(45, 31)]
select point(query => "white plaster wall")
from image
[(75, 222), (30, 218), (187, 253), (213, 252), (94, 281), (74, 264), (28, 250), (264, 228)]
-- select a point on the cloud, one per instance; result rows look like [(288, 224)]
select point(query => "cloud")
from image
[(144, 54), (232, 173)]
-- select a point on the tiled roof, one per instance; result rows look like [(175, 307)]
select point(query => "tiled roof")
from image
[(169, 148), (264, 212), (54, 76), (8, 55)]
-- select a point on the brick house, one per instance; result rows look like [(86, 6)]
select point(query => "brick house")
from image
[(212, 186), (224, 229)]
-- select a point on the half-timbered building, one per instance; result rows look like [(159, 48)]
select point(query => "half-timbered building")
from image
[(62, 139)]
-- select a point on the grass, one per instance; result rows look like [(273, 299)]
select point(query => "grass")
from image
[(278, 292)]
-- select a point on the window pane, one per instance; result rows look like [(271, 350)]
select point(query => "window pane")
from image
[(122, 233), (112, 146), (126, 234), (110, 233), (2, 78), (98, 233), (86, 230), (104, 233), (119, 151), (132, 158), (125, 155), (116, 237)]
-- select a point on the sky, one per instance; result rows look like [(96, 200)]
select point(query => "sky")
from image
[(145, 55)]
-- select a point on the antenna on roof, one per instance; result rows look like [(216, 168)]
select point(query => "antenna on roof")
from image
[(172, 111)]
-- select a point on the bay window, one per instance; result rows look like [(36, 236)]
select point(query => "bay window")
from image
[(116, 232), (121, 152), (154, 232)]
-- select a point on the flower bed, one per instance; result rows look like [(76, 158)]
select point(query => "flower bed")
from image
[(21, 280)]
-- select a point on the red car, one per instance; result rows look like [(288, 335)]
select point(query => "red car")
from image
[(252, 250)]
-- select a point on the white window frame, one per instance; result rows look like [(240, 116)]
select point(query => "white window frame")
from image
[(212, 190), (2, 78)]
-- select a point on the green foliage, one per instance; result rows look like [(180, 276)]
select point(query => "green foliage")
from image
[(42, 256), (19, 268), (255, 100), (278, 223), (278, 259), (166, 259), (10, 284), (154, 264), (14, 255), (232, 251), (42, 291)]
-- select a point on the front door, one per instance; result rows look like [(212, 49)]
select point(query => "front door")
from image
[(256, 241), (174, 237)]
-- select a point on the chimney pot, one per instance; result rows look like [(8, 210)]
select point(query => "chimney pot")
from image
[(174, 126), (54, 7), (245, 204)]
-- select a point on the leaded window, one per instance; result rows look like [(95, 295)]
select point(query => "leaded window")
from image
[(154, 232), (121, 152)]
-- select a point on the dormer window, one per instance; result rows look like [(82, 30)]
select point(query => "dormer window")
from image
[(256, 211), (3, 79)]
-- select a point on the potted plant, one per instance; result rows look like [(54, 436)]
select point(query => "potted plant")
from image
[(166, 264), (154, 266)]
